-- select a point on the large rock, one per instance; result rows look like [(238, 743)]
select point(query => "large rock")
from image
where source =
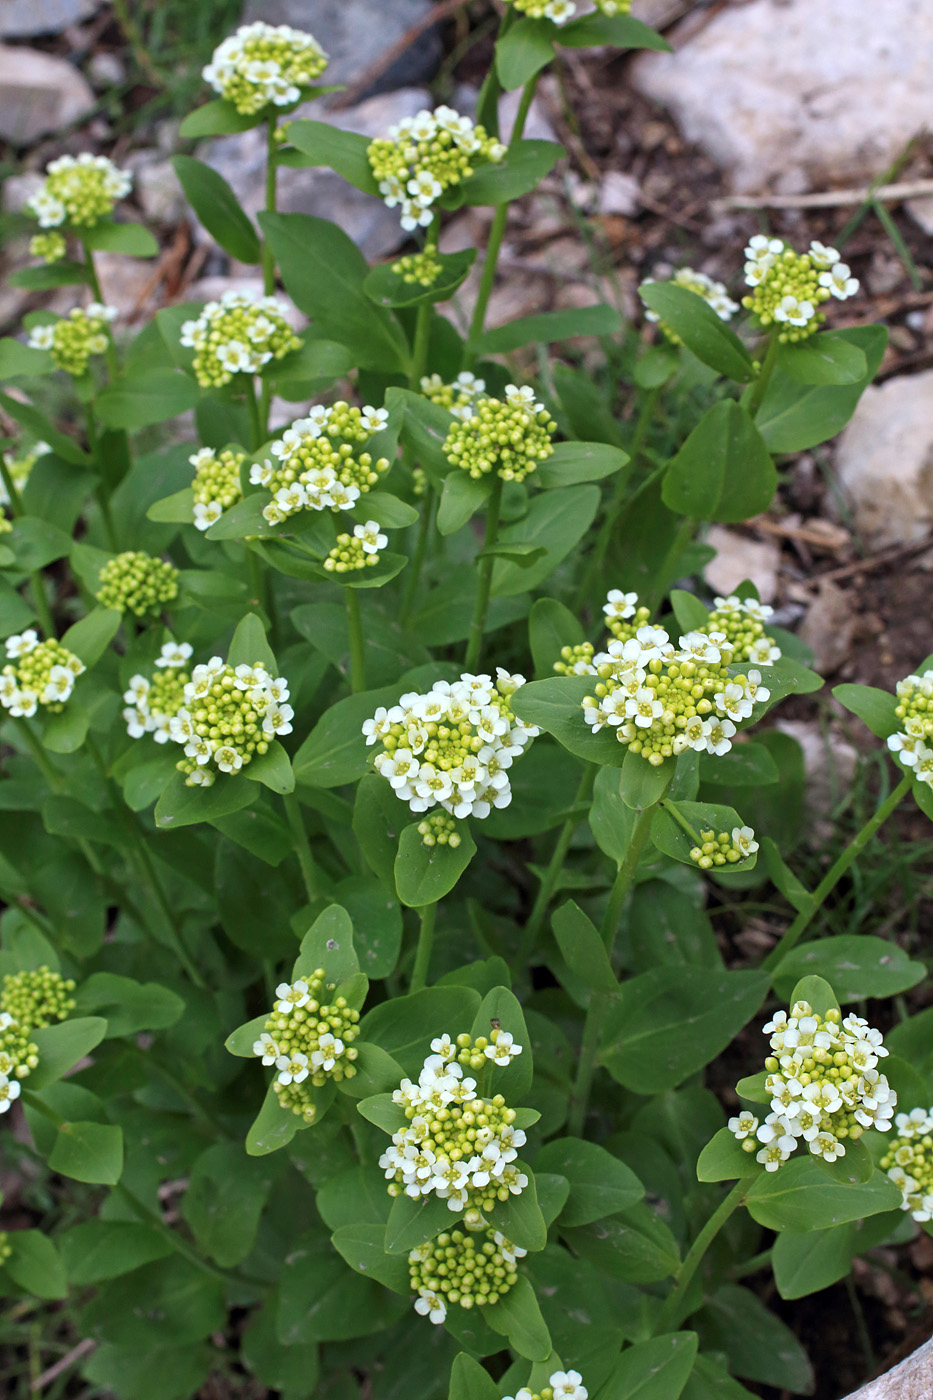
[(357, 33), (884, 461), (39, 93), (911, 1380), (23, 19), (804, 90)]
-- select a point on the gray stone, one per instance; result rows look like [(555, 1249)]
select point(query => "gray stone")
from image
[(739, 558), (357, 33), (884, 461), (156, 188), (804, 90), (376, 229), (23, 19), (829, 762), (39, 93), (911, 1380)]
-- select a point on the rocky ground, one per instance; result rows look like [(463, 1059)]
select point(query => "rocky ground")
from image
[(770, 115)]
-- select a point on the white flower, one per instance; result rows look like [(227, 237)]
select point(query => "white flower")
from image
[(719, 736), (733, 701), (9, 1090), (504, 1050), (174, 654), (292, 1069), (373, 541), (374, 419), (291, 996), (743, 837), (794, 312), (431, 1305), (266, 1048), (568, 1385), (23, 704), (839, 282), (204, 516), (822, 256), (744, 1125), (22, 644)]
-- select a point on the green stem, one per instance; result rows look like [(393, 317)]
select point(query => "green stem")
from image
[(12, 490), (113, 368), (255, 417), (487, 104), (419, 351), (669, 1317), (296, 823), (357, 648), (681, 820), (268, 260), (481, 607), (755, 393), (663, 575), (150, 1217), (152, 1060), (421, 549), (49, 771), (36, 583), (255, 576), (103, 498), (626, 875), (552, 874), (497, 231), (428, 916), (832, 877)]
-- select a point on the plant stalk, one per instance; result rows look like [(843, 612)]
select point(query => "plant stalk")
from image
[(419, 976), (552, 874), (481, 607), (421, 549), (296, 823), (755, 393), (357, 645), (669, 1317)]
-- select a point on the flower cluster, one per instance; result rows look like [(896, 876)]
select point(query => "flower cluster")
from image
[(36, 998), (560, 11), (912, 745), (264, 65), (742, 621), (44, 674), (456, 1144), (137, 582), (154, 701), (788, 287), (216, 484), (309, 1041), (452, 747), (457, 1268), (439, 829), (18, 1057), (562, 1385), (422, 268), (79, 190), (73, 339), (509, 437), (908, 1161), (358, 550), (459, 397), (423, 156), (20, 468), (230, 714), (724, 848), (238, 334), (50, 247), (713, 293), (318, 462), (824, 1086)]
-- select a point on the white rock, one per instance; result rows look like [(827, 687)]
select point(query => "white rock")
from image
[(829, 628), (22, 19), (830, 763), (739, 558), (831, 89), (884, 461), (619, 193), (39, 93), (156, 188), (911, 1380)]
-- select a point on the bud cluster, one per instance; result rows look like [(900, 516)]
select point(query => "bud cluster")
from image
[(422, 268), (358, 550), (912, 745), (79, 190), (724, 849), (44, 674), (824, 1085), (318, 463), (560, 11), (73, 339), (230, 714), (908, 1161), (452, 747), (562, 1385), (509, 437), (264, 65), (788, 287), (18, 1057), (458, 1268), (238, 334), (742, 620), (713, 293), (37, 998), (137, 582), (154, 701), (50, 247), (439, 829), (423, 156), (457, 1144), (459, 397), (309, 1041), (216, 484)]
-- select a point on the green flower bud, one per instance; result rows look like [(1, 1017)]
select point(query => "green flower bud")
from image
[(137, 582)]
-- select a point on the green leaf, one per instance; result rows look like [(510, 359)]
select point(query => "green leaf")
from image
[(500, 1005), (583, 949), (642, 784), (824, 358), (217, 208), (634, 1245), (723, 471), (666, 1024), (272, 1128), (517, 1316), (387, 510), (551, 627), (424, 874), (324, 272), (723, 1159), (669, 836), (747, 764), (573, 462), (315, 363), (523, 51), (599, 1183), (701, 330), (807, 1262), (90, 1152), (36, 543), (102, 1249), (218, 118), (66, 731), (522, 169), (321, 1299), (382, 1110), (556, 705), (129, 1006), (134, 240), (471, 1381), (857, 966), (34, 1264), (618, 31), (793, 420), (328, 944), (91, 637), (62, 1046), (709, 1380), (653, 1370), (177, 509), (875, 708), (817, 991), (227, 1191), (800, 1196), (376, 1071), (386, 287), (249, 646), (461, 498), (273, 769), (335, 752), (405, 1026), (42, 429), (414, 1222), (758, 1345), (181, 805), (343, 151), (550, 326), (363, 1248), (139, 400), (520, 1218), (43, 279), (240, 1042), (18, 359), (555, 521)]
